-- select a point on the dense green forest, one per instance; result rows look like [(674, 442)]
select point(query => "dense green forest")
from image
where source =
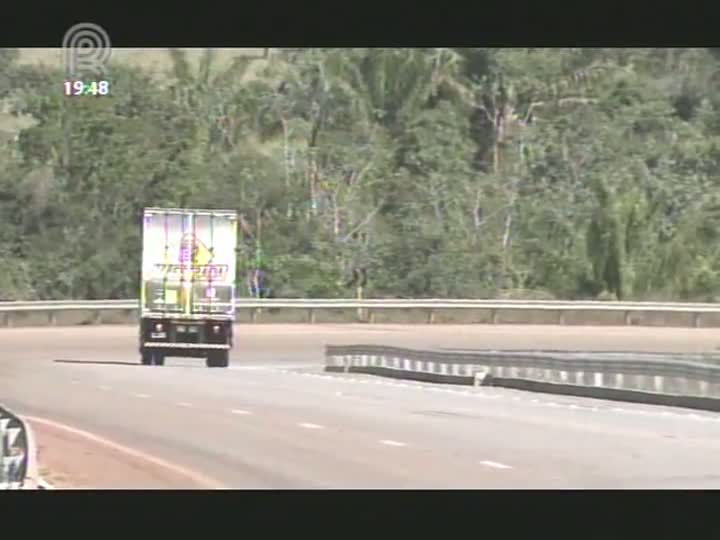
[(474, 173)]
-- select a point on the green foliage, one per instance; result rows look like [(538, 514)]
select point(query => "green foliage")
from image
[(568, 173)]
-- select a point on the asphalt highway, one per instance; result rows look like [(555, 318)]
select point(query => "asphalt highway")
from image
[(275, 420)]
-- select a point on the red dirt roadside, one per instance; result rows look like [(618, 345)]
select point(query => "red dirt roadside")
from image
[(71, 461)]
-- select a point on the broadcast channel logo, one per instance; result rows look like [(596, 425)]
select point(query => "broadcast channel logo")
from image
[(86, 48)]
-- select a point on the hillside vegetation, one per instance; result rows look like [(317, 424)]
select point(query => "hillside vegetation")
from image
[(566, 173)]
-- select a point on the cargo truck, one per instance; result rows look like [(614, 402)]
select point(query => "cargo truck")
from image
[(187, 301)]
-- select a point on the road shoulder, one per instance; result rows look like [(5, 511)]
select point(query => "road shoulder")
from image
[(70, 460)]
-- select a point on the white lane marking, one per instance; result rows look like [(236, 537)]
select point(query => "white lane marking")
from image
[(142, 396), (308, 425), (389, 442), (486, 395), (184, 404), (240, 411), (104, 388), (495, 465), (196, 477), (44, 484)]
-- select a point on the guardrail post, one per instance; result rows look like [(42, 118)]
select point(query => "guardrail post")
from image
[(494, 316), (97, 317), (52, 319), (696, 320), (431, 316), (254, 314), (7, 319), (311, 316), (627, 318), (561, 317)]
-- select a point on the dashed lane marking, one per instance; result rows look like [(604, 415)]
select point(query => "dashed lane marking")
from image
[(487, 395), (308, 425), (389, 442), (184, 404), (240, 412), (142, 396), (495, 465)]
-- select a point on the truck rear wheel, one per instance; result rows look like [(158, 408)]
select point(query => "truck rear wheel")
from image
[(219, 359), (146, 358), (152, 358)]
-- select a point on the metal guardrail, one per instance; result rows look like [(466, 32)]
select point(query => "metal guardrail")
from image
[(407, 303), (691, 380), (430, 306), (18, 453)]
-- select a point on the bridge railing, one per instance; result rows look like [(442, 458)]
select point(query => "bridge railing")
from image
[(681, 380)]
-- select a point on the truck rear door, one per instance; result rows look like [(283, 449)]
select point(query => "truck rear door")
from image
[(189, 262)]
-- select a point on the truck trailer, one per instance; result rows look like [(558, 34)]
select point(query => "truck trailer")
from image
[(187, 300)]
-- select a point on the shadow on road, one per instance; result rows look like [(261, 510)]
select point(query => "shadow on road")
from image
[(102, 363)]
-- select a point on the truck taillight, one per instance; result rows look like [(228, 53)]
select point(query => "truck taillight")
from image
[(216, 329), (158, 327)]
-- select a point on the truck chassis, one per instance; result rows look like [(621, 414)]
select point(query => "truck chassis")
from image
[(165, 336)]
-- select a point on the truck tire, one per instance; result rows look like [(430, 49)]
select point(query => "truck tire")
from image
[(224, 359), (151, 358), (219, 359)]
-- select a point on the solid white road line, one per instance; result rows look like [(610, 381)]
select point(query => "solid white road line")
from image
[(240, 411), (44, 484), (197, 477), (142, 396), (308, 425), (184, 404), (389, 442), (495, 465)]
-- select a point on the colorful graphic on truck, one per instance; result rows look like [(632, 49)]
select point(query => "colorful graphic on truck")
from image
[(195, 262), (189, 261)]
